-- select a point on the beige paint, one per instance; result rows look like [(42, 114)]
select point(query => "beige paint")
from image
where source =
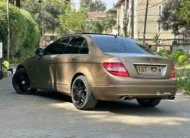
[(56, 72)]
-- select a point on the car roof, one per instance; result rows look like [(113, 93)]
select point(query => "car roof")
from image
[(93, 35), (98, 34)]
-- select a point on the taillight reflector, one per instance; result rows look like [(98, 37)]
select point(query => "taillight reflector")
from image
[(116, 68), (173, 75)]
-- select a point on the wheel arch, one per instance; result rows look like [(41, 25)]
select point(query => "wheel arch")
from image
[(74, 77), (20, 67), (86, 74)]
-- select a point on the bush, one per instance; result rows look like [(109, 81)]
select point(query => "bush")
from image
[(182, 59), (183, 79), (24, 31), (33, 35), (165, 53), (176, 54)]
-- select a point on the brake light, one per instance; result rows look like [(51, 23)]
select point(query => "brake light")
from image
[(172, 75), (116, 68)]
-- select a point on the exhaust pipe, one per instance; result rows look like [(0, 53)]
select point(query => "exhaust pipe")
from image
[(172, 97), (126, 98)]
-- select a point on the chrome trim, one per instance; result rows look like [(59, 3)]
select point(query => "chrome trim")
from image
[(150, 64)]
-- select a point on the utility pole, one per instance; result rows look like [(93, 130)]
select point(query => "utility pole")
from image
[(118, 13), (125, 19), (8, 31), (132, 18), (145, 22), (41, 2)]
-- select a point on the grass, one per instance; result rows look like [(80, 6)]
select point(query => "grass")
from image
[(183, 79)]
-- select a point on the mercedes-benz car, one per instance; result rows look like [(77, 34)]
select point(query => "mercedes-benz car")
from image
[(94, 67)]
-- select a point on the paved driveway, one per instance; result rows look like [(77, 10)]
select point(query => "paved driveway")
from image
[(52, 115)]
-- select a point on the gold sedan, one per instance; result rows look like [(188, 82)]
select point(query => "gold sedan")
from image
[(92, 67)]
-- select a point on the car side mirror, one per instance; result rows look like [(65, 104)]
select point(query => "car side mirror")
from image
[(38, 52)]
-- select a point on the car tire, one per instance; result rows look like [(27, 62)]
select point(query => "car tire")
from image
[(21, 82), (81, 94), (149, 102)]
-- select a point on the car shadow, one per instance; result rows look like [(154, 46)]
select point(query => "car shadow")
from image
[(53, 95), (117, 107), (129, 108)]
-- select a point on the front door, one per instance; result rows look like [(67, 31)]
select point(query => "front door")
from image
[(42, 71)]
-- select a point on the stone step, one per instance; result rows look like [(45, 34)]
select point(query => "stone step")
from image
[(6, 74)]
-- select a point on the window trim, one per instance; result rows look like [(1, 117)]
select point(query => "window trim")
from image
[(58, 40), (71, 38), (160, 9)]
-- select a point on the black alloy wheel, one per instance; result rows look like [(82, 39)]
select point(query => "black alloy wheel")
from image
[(82, 96), (21, 82)]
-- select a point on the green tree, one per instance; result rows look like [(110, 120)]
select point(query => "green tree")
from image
[(72, 21), (95, 26), (156, 39), (52, 9), (176, 15), (91, 5), (184, 13), (24, 30), (109, 22)]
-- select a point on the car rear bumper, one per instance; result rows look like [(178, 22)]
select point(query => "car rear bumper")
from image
[(151, 90)]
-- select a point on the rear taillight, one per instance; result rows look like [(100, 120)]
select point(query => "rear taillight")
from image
[(172, 75), (116, 68)]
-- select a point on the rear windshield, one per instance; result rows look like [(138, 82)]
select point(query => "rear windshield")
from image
[(119, 45)]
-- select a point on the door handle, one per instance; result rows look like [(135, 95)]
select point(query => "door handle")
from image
[(74, 59)]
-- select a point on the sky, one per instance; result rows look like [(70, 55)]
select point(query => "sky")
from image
[(109, 3)]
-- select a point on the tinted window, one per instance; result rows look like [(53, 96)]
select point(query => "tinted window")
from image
[(119, 45), (84, 48), (74, 45), (57, 47)]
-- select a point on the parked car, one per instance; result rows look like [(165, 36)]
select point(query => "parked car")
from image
[(92, 67)]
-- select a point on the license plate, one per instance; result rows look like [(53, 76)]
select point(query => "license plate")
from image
[(149, 69)]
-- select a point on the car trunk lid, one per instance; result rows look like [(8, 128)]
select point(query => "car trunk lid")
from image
[(145, 65)]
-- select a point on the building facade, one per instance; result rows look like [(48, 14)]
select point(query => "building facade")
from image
[(153, 27)]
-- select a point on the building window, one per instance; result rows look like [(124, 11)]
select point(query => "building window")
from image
[(160, 10)]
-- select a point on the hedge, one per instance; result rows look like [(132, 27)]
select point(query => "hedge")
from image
[(24, 31)]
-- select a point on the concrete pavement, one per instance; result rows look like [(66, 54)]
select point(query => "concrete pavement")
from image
[(52, 115)]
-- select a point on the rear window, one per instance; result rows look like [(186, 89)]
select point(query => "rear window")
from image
[(119, 45)]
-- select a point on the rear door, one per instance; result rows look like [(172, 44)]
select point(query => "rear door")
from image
[(66, 63)]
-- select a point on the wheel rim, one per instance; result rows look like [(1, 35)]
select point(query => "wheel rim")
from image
[(22, 82), (79, 93)]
